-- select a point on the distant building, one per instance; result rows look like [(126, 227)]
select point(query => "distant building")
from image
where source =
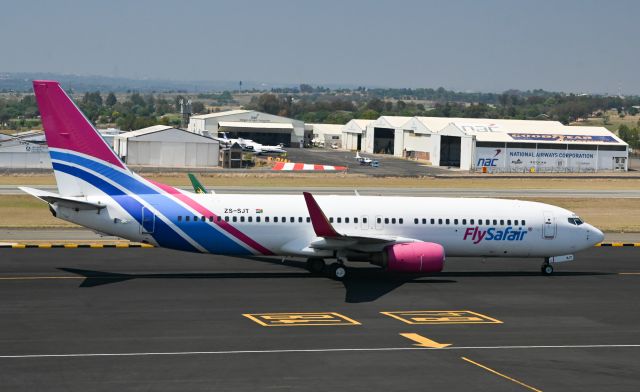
[(352, 134), (260, 127), (325, 135), (166, 146)]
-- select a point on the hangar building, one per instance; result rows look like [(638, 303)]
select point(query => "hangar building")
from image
[(352, 134), (260, 127), (325, 135), (166, 146), (498, 145)]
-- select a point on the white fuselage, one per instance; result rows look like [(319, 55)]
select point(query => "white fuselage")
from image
[(463, 226)]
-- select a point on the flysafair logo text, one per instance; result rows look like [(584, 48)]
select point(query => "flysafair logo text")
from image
[(493, 234)]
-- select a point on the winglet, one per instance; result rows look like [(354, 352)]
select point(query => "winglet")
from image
[(197, 186), (321, 224)]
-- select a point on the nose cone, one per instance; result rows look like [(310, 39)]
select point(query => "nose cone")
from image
[(594, 235)]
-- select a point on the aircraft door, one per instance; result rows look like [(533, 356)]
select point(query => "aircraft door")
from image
[(148, 221), (378, 222), (364, 222), (549, 226)]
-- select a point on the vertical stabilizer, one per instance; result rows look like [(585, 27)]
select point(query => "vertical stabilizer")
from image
[(71, 137)]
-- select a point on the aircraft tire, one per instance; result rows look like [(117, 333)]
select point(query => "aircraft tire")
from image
[(315, 265), (546, 269), (337, 271)]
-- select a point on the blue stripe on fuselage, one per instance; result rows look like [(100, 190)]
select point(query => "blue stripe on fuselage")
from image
[(201, 232), (163, 234)]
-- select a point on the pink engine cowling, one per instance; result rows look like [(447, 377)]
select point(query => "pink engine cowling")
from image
[(415, 257)]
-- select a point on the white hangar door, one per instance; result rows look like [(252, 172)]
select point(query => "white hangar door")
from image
[(191, 157)]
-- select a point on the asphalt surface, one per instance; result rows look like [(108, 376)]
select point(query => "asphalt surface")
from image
[(153, 319)]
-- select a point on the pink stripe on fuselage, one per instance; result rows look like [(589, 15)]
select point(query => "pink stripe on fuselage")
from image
[(205, 212)]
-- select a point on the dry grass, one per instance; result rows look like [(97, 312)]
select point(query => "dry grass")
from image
[(612, 215), (360, 181)]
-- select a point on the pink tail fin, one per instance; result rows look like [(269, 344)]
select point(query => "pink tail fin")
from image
[(65, 126)]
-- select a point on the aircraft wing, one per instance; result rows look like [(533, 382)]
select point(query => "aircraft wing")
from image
[(330, 239), (70, 202)]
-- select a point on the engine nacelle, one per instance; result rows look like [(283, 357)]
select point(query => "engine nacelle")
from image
[(415, 257)]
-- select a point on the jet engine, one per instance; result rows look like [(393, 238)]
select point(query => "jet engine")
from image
[(414, 257)]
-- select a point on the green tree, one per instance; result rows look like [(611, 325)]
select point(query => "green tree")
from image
[(111, 100)]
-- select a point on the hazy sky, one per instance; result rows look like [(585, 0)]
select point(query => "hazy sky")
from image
[(578, 46)]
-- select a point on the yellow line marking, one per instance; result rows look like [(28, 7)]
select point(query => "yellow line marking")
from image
[(441, 317), (628, 273), (20, 246), (40, 277), (424, 342), (300, 319), (501, 375)]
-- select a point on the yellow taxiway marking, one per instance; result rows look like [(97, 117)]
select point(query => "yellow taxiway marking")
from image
[(424, 342), (441, 317), (501, 375), (628, 273), (300, 319)]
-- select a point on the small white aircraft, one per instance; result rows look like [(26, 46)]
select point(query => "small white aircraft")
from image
[(249, 145), (399, 234), (363, 160)]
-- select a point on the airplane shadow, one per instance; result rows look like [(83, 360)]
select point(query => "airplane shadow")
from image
[(363, 284)]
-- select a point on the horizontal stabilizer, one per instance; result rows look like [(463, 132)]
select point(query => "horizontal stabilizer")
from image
[(69, 202)]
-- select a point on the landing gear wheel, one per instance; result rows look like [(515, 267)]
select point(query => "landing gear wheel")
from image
[(546, 269), (337, 271), (315, 265)]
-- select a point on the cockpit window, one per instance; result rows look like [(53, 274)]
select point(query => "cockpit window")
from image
[(575, 221)]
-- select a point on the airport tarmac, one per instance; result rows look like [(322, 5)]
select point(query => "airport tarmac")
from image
[(154, 319)]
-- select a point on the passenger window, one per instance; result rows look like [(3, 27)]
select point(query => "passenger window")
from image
[(331, 220), (415, 221), (433, 221), (275, 219), (464, 221), (284, 219), (186, 218), (523, 222), (292, 220), (226, 218), (379, 220), (219, 218), (386, 221), (355, 220), (258, 219), (346, 220), (400, 221), (495, 222), (515, 222), (508, 222), (299, 219), (242, 219), (393, 221), (180, 218), (440, 221), (195, 218), (472, 222), (339, 220), (211, 218), (266, 219), (308, 219), (424, 221), (501, 222), (364, 220), (455, 221), (235, 218), (447, 221), (250, 219)]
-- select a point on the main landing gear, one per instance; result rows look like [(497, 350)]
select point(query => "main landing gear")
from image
[(546, 268), (317, 266)]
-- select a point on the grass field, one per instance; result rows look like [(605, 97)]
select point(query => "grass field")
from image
[(614, 121), (612, 215), (357, 181)]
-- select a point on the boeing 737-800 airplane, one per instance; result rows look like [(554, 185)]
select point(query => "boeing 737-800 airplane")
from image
[(402, 234)]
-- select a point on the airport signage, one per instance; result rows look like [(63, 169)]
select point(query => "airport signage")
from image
[(549, 137)]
